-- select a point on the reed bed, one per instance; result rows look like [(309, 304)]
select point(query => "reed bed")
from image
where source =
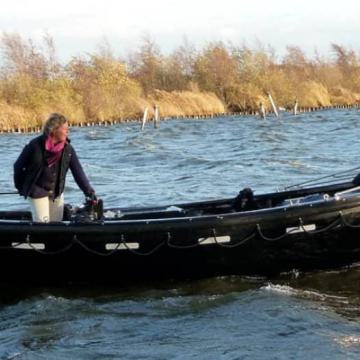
[(189, 82)]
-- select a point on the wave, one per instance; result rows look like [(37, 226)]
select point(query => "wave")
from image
[(347, 306), (348, 340), (308, 294)]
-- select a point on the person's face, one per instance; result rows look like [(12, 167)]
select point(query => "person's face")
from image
[(61, 132)]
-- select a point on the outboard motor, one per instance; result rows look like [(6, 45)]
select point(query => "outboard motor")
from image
[(245, 200), (93, 209)]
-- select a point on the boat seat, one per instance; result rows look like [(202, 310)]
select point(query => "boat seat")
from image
[(15, 215), (151, 215), (305, 199)]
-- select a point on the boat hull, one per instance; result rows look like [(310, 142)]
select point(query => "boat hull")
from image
[(318, 235)]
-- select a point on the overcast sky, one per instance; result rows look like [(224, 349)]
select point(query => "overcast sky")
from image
[(78, 26)]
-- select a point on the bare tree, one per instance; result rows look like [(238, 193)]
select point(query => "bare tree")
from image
[(22, 57), (53, 64), (345, 59), (146, 65)]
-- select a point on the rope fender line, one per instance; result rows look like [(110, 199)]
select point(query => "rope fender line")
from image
[(92, 251), (345, 222), (258, 228), (243, 241), (152, 251), (44, 252), (333, 224), (171, 245), (230, 246), (339, 221)]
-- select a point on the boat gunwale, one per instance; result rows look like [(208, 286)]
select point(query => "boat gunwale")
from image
[(323, 208)]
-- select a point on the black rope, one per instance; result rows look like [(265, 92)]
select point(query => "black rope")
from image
[(183, 246), (336, 222), (258, 228), (332, 225), (92, 251), (44, 252), (230, 246), (139, 252), (346, 223)]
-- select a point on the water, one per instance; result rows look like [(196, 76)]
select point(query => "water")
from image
[(292, 316)]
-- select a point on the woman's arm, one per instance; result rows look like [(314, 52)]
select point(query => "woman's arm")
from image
[(20, 168), (79, 174)]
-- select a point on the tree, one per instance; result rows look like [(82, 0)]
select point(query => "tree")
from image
[(103, 84), (22, 57), (215, 69), (146, 66)]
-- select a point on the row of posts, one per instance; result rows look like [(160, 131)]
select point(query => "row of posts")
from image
[(156, 118)]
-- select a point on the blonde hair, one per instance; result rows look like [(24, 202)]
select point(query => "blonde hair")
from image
[(53, 122)]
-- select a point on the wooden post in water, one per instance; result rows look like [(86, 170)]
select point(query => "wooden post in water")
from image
[(295, 107), (156, 116), (273, 105), (144, 118), (262, 111)]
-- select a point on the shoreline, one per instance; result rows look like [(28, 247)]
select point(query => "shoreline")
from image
[(300, 110)]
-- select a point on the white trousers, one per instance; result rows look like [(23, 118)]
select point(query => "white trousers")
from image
[(46, 210)]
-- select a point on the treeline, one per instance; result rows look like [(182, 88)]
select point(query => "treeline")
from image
[(189, 81)]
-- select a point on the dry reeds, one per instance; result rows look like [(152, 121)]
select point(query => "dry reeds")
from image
[(185, 103), (219, 78)]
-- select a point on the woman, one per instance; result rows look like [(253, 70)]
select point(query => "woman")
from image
[(40, 170)]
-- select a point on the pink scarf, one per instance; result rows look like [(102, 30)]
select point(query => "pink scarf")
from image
[(55, 150)]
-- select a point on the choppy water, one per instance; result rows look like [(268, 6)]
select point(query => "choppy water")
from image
[(297, 315)]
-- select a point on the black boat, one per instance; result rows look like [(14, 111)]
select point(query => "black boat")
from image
[(303, 228)]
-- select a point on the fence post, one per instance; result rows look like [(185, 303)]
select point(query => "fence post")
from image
[(156, 116), (273, 105), (262, 111), (144, 118), (295, 107)]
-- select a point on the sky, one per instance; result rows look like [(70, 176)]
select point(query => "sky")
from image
[(79, 26)]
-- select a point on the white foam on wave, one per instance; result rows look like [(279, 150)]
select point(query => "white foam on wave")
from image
[(348, 340), (309, 294), (280, 289)]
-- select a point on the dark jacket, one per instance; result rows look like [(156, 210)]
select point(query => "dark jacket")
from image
[(31, 163)]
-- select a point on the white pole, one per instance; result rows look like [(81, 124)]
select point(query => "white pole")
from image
[(262, 111), (273, 105), (156, 116), (144, 118), (295, 106)]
